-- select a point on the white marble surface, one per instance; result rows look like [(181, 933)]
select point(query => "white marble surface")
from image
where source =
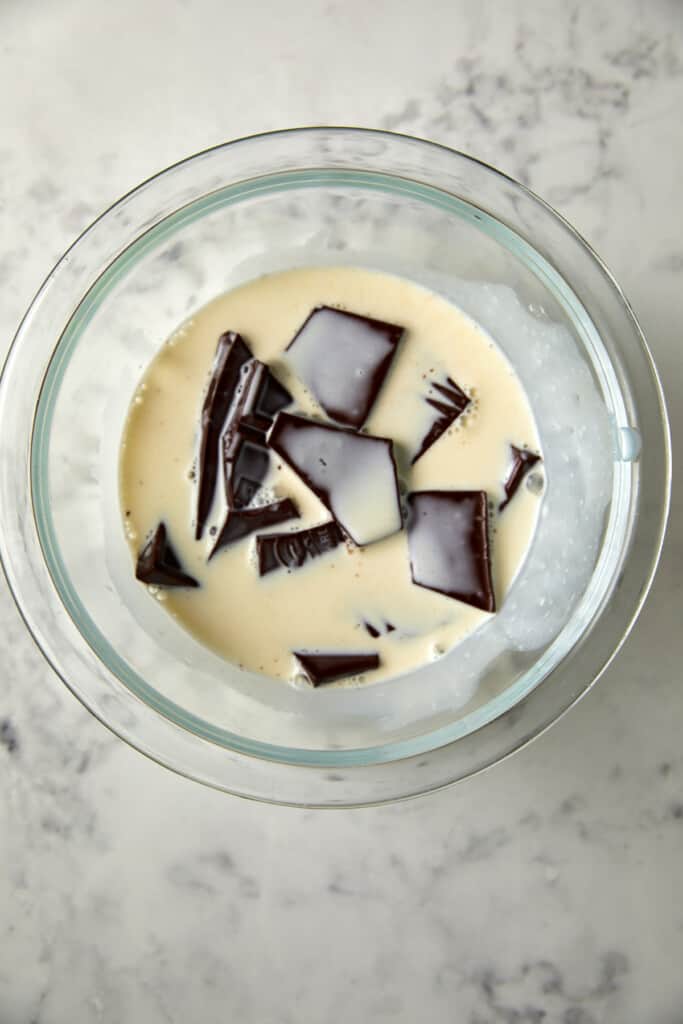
[(548, 890)]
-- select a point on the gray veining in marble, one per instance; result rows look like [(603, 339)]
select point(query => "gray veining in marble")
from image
[(546, 891)]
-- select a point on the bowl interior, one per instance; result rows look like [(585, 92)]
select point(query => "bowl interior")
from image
[(383, 221)]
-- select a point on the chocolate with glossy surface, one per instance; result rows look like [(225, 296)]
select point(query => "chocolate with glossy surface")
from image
[(240, 522), (450, 403), (343, 359), (449, 545), (291, 550), (159, 565), (232, 353), (354, 475), (522, 461), (326, 668)]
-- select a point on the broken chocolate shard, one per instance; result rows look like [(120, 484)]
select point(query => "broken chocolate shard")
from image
[(374, 632), (158, 563), (522, 461), (354, 475), (231, 354), (326, 668), (448, 407), (240, 522), (343, 359), (243, 441), (449, 545), (273, 397), (291, 550)]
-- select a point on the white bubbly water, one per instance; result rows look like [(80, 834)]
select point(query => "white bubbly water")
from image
[(256, 622)]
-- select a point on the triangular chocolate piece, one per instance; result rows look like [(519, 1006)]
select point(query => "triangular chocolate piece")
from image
[(325, 668), (450, 404), (240, 522), (449, 545), (158, 563), (522, 461)]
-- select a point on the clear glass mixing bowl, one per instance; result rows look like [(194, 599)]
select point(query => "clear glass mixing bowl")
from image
[(297, 198)]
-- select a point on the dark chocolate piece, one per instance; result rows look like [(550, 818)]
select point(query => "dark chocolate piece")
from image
[(354, 475), (452, 403), (523, 460), (325, 668), (291, 550), (343, 359), (240, 522), (231, 353), (243, 441), (158, 563), (374, 632), (449, 545)]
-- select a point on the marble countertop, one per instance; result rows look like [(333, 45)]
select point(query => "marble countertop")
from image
[(546, 890)]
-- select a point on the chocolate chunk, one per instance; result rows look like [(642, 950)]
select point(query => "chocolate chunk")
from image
[(291, 550), (450, 404), (243, 441), (325, 668), (231, 353), (343, 359), (354, 475), (522, 462), (240, 522), (449, 545), (374, 632), (158, 563), (260, 397)]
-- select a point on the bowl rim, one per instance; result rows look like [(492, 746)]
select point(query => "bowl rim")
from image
[(659, 527)]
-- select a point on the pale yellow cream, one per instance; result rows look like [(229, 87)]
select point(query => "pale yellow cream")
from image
[(256, 621)]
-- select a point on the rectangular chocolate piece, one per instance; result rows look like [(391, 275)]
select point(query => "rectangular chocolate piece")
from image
[(243, 441), (522, 461), (450, 403), (326, 668), (159, 565), (354, 475), (231, 354), (449, 545), (343, 358), (240, 522), (291, 550)]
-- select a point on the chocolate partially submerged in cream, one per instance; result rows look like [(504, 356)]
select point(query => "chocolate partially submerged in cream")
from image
[(159, 565), (337, 572), (292, 550), (354, 475), (449, 545), (343, 358), (326, 668), (241, 522), (231, 354), (449, 402), (241, 398), (522, 462)]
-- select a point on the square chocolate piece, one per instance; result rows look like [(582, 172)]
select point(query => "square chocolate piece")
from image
[(343, 359)]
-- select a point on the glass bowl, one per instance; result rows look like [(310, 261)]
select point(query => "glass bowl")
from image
[(331, 196)]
